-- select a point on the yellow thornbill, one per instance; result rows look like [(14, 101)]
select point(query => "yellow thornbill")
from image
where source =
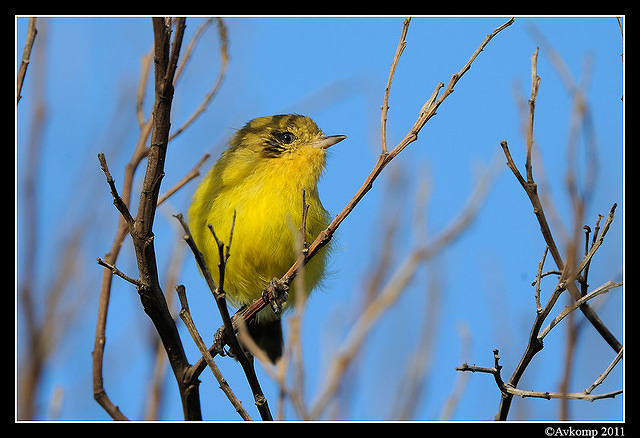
[(260, 177)]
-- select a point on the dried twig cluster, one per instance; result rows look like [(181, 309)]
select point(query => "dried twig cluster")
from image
[(572, 272)]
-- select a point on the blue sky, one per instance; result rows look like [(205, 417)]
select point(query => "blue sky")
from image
[(334, 69)]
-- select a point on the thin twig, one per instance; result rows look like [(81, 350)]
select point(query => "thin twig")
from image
[(117, 200), (303, 223), (185, 315), (26, 54), (224, 56), (118, 272), (597, 242), (142, 89), (535, 85), (606, 372), (576, 304), (192, 174), (385, 102), (539, 278)]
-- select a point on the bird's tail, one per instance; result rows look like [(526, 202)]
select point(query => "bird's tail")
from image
[(268, 336)]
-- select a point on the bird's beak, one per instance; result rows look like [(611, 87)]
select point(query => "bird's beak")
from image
[(327, 142)]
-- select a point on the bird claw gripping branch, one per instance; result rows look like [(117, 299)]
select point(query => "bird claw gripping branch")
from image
[(275, 295)]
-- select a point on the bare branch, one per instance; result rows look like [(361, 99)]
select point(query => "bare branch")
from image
[(575, 305), (185, 315), (385, 102), (605, 373), (26, 54), (117, 272), (535, 85), (596, 242), (117, 200), (224, 57), (539, 278), (192, 174), (142, 87), (508, 389)]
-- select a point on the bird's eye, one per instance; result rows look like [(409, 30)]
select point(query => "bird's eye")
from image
[(285, 137)]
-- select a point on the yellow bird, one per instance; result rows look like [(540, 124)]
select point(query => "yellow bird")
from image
[(260, 178)]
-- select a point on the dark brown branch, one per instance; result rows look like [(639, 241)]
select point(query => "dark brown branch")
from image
[(151, 295), (303, 224), (141, 228), (117, 200)]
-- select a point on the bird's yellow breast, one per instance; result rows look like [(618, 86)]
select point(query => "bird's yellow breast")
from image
[(266, 196)]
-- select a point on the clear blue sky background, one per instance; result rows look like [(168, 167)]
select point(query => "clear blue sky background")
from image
[(334, 69)]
